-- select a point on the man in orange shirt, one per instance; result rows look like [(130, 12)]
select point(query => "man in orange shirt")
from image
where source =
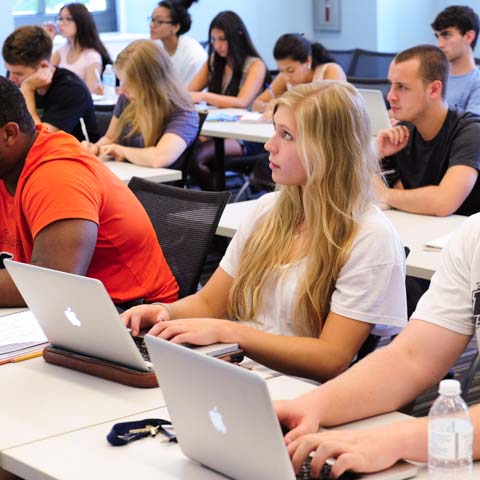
[(61, 208)]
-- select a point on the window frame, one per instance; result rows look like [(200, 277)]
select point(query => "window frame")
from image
[(106, 21)]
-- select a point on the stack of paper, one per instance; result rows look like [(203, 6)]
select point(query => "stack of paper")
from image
[(438, 243), (254, 117), (20, 334)]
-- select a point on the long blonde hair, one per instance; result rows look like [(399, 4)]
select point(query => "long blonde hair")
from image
[(334, 144), (158, 90)]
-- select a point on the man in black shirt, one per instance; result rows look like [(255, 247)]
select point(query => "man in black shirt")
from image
[(54, 96), (435, 150)]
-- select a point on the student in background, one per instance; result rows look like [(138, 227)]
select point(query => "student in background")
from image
[(83, 53), (299, 61), (234, 75), (436, 149), (55, 96), (154, 120), (169, 22), (317, 267), (61, 208), (456, 29)]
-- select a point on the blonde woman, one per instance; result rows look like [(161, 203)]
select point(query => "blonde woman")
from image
[(154, 120), (319, 266)]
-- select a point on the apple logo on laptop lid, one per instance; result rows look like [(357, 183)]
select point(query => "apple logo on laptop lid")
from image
[(72, 317), (217, 420)]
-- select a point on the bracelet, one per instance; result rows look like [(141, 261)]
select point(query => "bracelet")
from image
[(167, 308)]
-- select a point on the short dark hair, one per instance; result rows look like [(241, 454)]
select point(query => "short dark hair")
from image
[(28, 46), (14, 108), (459, 16), (433, 63)]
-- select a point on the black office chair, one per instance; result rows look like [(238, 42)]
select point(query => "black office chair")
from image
[(369, 64), (184, 161), (185, 222), (344, 58), (381, 84), (103, 121), (259, 181)]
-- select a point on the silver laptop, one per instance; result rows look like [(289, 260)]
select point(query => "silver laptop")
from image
[(77, 314), (376, 109), (224, 418)]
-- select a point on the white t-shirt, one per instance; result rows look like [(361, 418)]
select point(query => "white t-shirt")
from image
[(86, 58), (188, 58), (370, 287), (453, 299)]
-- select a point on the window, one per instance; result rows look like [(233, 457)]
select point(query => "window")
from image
[(35, 12)]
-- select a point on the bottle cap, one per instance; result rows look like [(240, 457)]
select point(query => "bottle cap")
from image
[(449, 387)]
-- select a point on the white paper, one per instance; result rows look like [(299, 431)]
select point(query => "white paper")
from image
[(19, 331)]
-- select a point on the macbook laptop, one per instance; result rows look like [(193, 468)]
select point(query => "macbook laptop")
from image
[(224, 418), (77, 314), (376, 108)]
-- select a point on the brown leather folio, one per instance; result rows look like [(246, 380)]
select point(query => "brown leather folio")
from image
[(112, 371)]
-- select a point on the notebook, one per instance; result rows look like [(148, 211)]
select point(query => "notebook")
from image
[(77, 314), (376, 109), (230, 426)]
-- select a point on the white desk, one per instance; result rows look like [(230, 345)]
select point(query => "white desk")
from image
[(125, 171), (74, 412), (40, 400), (86, 454), (414, 230), (254, 132)]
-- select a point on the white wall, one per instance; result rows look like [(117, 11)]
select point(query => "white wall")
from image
[(266, 20), (6, 27), (358, 26), (404, 24)]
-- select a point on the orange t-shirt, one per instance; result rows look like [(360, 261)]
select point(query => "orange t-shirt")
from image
[(61, 181)]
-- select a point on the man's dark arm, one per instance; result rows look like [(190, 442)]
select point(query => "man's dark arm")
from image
[(65, 245)]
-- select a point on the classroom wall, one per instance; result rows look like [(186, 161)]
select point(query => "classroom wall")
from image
[(254, 13), (6, 27)]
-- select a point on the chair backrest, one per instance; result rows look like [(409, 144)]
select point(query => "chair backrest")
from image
[(381, 84), (369, 64), (344, 58), (103, 118), (184, 161), (185, 222)]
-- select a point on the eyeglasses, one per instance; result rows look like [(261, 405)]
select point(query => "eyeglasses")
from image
[(64, 19), (158, 22)]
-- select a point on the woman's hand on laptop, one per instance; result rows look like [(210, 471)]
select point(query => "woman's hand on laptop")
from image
[(361, 451), (144, 316), (196, 331)]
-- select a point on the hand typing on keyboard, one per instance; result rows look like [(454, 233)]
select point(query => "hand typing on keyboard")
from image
[(360, 451)]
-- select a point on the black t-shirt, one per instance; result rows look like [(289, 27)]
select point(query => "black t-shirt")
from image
[(65, 102), (423, 163)]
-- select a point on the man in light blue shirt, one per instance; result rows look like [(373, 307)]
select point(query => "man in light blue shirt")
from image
[(456, 29)]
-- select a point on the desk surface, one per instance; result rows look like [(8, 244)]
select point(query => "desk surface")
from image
[(414, 230), (40, 400), (125, 171), (72, 415), (65, 456), (254, 132)]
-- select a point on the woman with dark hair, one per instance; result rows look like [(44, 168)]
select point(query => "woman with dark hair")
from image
[(169, 22), (83, 53), (234, 75), (299, 61)]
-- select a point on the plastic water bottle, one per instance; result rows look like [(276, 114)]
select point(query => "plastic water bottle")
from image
[(109, 80), (450, 435)]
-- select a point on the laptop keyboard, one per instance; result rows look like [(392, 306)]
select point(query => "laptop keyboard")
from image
[(140, 343)]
